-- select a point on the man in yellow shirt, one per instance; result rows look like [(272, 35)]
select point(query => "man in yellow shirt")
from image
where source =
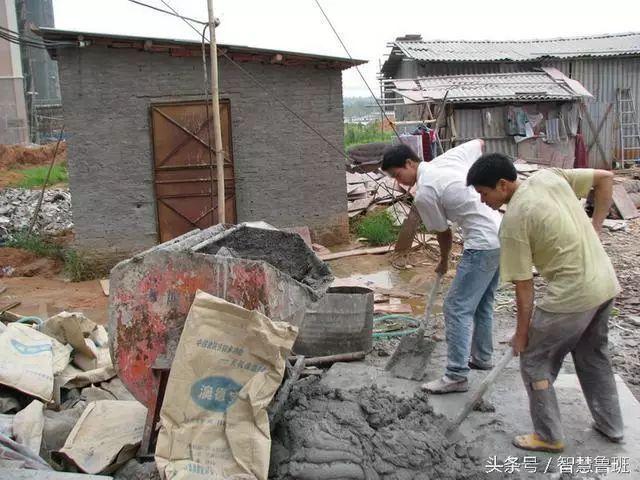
[(546, 226)]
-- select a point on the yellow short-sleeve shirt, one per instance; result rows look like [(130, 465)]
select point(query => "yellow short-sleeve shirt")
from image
[(545, 226)]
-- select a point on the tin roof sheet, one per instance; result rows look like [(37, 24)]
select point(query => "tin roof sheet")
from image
[(520, 50), (548, 84)]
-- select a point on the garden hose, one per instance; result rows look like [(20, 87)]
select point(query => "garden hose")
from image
[(408, 320)]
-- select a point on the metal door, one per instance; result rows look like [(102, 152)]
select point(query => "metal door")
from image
[(185, 167)]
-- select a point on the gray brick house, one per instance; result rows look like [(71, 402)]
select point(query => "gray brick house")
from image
[(139, 135)]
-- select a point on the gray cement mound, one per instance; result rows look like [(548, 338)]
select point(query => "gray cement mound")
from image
[(368, 434)]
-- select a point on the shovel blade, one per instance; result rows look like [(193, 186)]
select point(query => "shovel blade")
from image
[(411, 357)]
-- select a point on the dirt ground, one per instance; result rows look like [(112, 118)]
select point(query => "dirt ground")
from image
[(15, 262), (14, 158), (20, 156), (45, 297)]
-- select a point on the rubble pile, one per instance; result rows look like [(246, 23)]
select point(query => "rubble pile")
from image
[(17, 206), (366, 190), (365, 434), (622, 247)]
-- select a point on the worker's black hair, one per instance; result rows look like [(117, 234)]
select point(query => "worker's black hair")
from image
[(489, 169), (397, 156)]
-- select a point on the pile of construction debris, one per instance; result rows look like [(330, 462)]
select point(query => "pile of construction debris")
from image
[(366, 190), (60, 406), (17, 207)]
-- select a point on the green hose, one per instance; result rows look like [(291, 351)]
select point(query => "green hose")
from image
[(398, 333), (37, 320)]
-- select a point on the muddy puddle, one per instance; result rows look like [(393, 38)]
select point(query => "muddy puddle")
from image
[(378, 273)]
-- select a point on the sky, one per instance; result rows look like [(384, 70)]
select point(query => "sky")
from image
[(365, 26)]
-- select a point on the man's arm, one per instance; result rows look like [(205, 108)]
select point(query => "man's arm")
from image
[(602, 197), (445, 241), (524, 303), (582, 180)]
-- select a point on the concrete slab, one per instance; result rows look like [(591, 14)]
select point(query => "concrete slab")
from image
[(492, 432)]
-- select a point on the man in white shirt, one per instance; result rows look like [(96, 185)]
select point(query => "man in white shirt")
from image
[(442, 196)]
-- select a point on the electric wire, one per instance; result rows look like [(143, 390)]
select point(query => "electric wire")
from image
[(174, 13), (265, 89)]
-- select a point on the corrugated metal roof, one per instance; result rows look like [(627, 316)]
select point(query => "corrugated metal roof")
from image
[(520, 50), (547, 85)]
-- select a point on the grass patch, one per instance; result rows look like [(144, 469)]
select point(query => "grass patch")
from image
[(36, 244), (76, 266), (34, 177), (378, 228), (358, 133)]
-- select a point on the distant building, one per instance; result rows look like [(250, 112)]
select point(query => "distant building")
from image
[(42, 86), (140, 164), (14, 126), (606, 65)]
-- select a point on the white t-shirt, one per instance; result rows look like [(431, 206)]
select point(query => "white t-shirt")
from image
[(442, 194)]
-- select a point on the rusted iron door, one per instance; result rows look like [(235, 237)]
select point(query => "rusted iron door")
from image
[(185, 167)]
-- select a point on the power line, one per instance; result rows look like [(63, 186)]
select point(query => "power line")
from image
[(19, 39), (357, 68), (276, 98), (174, 13), (263, 87)]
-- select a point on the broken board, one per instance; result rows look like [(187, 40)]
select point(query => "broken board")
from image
[(392, 308), (623, 203)]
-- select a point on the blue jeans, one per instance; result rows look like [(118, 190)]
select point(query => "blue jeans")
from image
[(468, 311)]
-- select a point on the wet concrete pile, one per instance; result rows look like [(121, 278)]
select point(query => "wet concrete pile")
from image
[(367, 434), (17, 206)]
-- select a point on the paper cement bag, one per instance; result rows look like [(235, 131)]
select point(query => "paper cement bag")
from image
[(75, 329), (28, 425), (228, 365), (106, 436), (26, 361)]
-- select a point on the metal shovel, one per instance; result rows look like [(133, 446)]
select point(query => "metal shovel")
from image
[(411, 357)]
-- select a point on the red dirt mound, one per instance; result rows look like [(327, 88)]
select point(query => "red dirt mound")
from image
[(18, 156), (15, 262)]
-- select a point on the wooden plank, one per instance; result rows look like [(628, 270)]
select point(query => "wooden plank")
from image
[(9, 306), (359, 251), (361, 204), (357, 189), (388, 308), (623, 203), (104, 284)]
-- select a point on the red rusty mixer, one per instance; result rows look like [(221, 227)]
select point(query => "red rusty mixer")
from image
[(261, 269)]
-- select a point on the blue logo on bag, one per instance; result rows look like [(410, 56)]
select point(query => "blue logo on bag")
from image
[(23, 349), (215, 393)]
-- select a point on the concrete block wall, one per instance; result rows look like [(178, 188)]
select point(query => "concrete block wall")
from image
[(285, 174)]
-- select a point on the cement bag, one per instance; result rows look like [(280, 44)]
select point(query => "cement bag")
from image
[(106, 436), (228, 365), (26, 361)]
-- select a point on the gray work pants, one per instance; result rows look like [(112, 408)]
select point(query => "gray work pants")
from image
[(551, 337)]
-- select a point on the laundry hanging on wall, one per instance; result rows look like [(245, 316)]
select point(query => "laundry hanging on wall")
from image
[(412, 141)]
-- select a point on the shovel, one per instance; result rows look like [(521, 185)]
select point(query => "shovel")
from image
[(480, 391), (412, 355)]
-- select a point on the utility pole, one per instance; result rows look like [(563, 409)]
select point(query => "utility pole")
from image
[(217, 132)]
